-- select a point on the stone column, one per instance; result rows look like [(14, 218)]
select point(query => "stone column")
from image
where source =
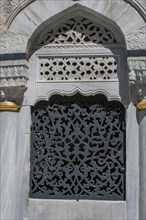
[(137, 79), (13, 79)]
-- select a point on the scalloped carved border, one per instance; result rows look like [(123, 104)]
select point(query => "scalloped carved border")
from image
[(75, 91)]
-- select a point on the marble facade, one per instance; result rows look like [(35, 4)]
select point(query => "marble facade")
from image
[(23, 24)]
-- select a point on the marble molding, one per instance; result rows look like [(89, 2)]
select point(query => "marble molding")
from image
[(13, 82), (137, 80)]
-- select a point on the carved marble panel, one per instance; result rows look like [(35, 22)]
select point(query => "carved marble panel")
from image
[(136, 39), (7, 7), (12, 42)]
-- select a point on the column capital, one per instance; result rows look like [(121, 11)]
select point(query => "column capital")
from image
[(13, 83), (137, 81)]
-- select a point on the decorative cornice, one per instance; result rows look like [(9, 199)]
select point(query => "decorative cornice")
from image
[(9, 106), (137, 80), (13, 80)]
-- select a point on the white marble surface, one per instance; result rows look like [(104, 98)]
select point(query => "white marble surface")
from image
[(142, 153), (8, 147), (132, 163), (76, 210), (14, 142)]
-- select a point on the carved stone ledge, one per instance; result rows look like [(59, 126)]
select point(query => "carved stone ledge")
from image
[(137, 79), (13, 80)]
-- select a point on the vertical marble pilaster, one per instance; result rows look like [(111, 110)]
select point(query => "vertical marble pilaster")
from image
[(132, 163), (8, 144), (142, 164), (14, 163)]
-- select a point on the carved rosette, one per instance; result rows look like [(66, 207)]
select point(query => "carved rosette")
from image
[(13, 83), (137, 80)]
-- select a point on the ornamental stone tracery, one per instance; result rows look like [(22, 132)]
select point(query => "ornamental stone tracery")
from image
[(77, 30), (78, 149), (78, 68)]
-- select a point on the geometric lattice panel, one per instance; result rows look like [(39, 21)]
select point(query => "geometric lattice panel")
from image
[(78, 148), (78, 68), (78, 30)]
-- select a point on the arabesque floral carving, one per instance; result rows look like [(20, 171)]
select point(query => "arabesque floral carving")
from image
[(136, 39), (12, 42), (7, 7)]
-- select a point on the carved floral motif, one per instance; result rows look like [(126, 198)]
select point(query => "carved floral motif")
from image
[(7, 7), (12, 42), (137, 39)]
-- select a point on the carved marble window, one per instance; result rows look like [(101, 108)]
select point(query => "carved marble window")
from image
[(78, 148), (77, 141)]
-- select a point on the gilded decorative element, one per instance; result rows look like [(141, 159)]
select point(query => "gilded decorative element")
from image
[(9, 106), (142, 105)]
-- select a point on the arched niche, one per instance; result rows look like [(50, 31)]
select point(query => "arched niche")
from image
[(78, 13), (120, 12), (79, 49)]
